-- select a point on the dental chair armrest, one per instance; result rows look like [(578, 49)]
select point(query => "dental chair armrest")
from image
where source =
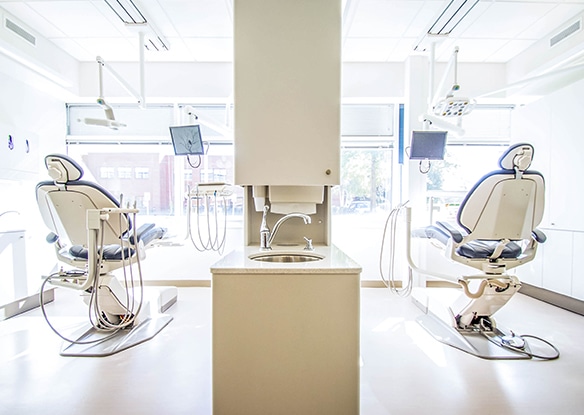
[(455, 234), (52, 238), (147, 233), (432, 232), (539, 236)]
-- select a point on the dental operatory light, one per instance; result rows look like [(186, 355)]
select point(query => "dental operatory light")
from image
[(453, 107), (450, 105), (440, 110), (110, 119)]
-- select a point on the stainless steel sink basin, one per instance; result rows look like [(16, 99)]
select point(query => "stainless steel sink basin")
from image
[(286, 257)]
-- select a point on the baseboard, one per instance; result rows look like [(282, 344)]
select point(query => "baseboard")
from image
[(559, 300), (25, 304), (364, 283)]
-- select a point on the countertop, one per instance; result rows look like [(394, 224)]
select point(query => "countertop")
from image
[(335, 261)]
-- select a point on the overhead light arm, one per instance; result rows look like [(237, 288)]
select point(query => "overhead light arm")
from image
[(448, 105), (452, 63), (225, 131), (138, 96), (440, 106), (110, 119)]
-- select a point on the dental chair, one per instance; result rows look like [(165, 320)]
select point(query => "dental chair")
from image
[(94, 236), (496, 231)]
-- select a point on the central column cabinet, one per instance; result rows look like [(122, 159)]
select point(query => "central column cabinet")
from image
[(287, 94), (286, 337)]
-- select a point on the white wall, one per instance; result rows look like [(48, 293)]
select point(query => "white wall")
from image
[(554, 125), (213, 82), (33, 113)]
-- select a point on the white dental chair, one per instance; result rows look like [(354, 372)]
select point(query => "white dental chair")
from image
[(496, 231), (95, 235)]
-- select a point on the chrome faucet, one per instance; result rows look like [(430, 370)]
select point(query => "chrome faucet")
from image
[(267, 236)]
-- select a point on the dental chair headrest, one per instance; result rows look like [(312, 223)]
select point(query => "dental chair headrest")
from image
[(62, 168), (517, 156)]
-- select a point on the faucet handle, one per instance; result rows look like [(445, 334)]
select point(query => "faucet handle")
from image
[(308, 246)]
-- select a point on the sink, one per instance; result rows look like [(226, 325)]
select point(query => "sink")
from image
[(286, 257)]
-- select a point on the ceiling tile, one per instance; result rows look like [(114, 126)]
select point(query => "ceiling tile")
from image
[(367, 49), (75, 18), (509, 50), (374, 30), (504, 20), (379, 18), (470, 50), (111, 49), (210, 49), (557, 19), (199, 18)]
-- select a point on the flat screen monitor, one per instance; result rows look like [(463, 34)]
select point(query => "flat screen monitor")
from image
[(187, 140), (428, 145)]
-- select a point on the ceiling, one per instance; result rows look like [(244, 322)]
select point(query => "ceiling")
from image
[(373, 30)]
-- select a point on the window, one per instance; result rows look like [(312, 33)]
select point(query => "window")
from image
[(125, 172), (370, 175), (107, 172), (142, 172), (467, 159), (213, 175)]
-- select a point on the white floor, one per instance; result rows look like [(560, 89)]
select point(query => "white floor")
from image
[(404, 370)]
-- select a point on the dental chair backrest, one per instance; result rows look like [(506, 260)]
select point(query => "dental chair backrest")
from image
[(507, 203), (63, 202)]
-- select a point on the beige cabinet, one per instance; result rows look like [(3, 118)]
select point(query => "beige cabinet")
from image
[(287, 77), (285, 344)]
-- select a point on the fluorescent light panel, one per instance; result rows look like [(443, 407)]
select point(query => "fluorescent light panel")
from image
[(155, 43), (451, 16), (130, 14), (127, 11)]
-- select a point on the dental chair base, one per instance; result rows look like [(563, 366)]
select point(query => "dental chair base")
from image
[(475, 309), (484, 344), (122, 340), (97, 339), (467, 324)]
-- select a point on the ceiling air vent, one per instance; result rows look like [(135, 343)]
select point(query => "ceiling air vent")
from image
[(13, 27), (570, 30)]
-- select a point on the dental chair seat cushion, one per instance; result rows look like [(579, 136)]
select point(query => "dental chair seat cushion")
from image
[(110, 252), (146, 234), (480, 249)]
